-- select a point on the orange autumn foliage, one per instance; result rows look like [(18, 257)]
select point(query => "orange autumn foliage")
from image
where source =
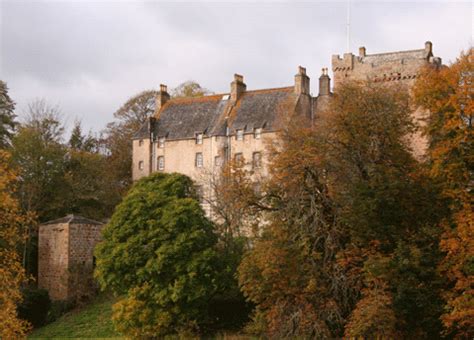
[(448, 95), (12, 274)]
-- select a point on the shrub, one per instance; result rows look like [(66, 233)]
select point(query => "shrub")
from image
[(35, 306)]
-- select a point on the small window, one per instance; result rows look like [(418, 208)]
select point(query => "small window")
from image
[(161, 142), (198, 138), (217, 161), (161, 163), (140, 165), (239, 158), (239, 135), (257, 133), (199, 160), (140, 142), (257, 160)]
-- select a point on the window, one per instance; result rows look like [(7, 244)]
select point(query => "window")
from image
[(239, 158), (239, 135), (140, 142), (198, 138), (257, 160), (199, 160), (161, 142), (140, 165), (257, 133), (217, 161), (161, 163)]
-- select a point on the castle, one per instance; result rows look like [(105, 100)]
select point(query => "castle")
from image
[(193, 135)]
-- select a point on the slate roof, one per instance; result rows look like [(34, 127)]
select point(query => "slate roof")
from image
[(73, 219), (182, 118)]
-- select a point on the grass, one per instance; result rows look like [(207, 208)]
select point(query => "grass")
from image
[(91, 321)]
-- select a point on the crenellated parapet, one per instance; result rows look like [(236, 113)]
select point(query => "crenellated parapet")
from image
[(383, 67)]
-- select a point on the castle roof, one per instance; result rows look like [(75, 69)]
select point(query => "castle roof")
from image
[(72, 219), (182, 118)]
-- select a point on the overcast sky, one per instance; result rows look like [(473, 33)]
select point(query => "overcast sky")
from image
[(89, 57)]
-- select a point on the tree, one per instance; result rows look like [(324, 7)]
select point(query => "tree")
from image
[(78, 141), (118, 137), (292, 273), (39, 156), (189, 89), (7, 116), (158, 253), (447, 94), (12, 274)]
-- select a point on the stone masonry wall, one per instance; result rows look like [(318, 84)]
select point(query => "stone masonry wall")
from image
[(53, 259), (82, 240)]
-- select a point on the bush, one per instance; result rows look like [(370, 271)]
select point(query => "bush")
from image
[(35, 306), (159, 252)]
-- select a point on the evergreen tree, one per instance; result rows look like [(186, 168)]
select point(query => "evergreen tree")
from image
[(7, 116)]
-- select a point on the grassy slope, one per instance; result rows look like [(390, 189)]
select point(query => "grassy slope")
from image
[(91, 321)]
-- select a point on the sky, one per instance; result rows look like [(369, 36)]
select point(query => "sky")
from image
[(89, 57)]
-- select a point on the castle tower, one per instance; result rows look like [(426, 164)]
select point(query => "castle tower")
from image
[(401, 66), (66, 256)]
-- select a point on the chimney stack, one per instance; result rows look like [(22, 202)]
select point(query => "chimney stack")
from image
[(362, 52), (237, 87), (301, 81), (428, 49), (161, 98), (324, 83)]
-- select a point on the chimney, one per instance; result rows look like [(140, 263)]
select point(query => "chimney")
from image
[(362, 52), (237, 87), (324, 83), (428, 49), (301, 81), (161, 98)]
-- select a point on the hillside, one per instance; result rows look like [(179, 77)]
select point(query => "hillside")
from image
[(91, 321)]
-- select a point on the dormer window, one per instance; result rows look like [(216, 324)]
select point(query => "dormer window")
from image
[(257, 133), (198, 138), (161, 142), (140, 142), (239, 135)]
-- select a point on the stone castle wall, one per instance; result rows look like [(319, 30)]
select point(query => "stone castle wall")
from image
[(65, 258), (53, 259)]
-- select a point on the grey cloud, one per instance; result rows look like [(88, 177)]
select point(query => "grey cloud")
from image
[(91, 56)]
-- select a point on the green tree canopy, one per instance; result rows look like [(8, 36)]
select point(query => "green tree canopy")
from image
[(158, 250)]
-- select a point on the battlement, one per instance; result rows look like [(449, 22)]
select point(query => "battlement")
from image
[(388, 66)]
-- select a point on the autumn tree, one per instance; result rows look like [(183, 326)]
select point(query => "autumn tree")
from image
[(189, 89), (389, 208), (292, 272), (447, 93), (12, 273), (158, 254), (7, 116), (118, 137)]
